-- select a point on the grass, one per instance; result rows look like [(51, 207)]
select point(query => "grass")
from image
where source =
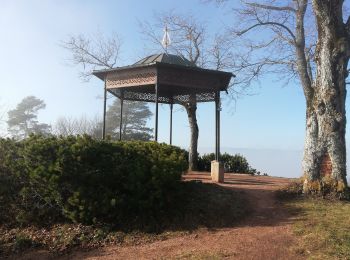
[(201, 205), (202, 256), (323, 226)]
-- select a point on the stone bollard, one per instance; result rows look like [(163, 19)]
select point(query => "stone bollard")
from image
[(217, 171)]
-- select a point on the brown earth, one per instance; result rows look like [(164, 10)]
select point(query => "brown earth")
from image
[(265, 234)]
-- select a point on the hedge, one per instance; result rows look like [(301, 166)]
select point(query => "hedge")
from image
[(232, 163), (48, 179)]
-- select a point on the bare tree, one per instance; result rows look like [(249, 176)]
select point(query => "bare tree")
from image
[(92, 53), (187, 35), (135, 117), (3, 113), (189, 39), (282, 38), (66, 126), (101, 52)]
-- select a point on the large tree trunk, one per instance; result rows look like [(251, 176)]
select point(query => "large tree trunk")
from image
[(191, 109), (325, 151)]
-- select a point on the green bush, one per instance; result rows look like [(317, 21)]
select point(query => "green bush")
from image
[(10, 181), (204, 162), (87, 180), (232, 163)]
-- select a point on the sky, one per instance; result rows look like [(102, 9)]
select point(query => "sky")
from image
[(267, 126)]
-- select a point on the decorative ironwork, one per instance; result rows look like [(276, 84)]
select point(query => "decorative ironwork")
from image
[(150, 97), (130, 78)]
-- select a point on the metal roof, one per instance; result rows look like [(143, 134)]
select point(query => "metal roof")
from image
[(166, 58)]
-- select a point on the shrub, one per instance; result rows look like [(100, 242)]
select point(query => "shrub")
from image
[(88, 181), (291, 190), (236, 163), (10, 182), (204, 161), (232, 163), (22, 242), (328, 188)]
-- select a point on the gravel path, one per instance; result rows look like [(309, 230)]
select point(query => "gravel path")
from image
[(265, 234)]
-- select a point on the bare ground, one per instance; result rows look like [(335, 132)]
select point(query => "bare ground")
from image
[(265, 234)]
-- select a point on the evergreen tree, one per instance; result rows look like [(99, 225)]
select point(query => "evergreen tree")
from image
[(135, 117), (22, 120)]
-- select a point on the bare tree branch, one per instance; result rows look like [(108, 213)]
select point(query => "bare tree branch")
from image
[(272, 7), (187, 34), (267, 23), (93, 53), (66, 126), (285, 48), (304, 66)]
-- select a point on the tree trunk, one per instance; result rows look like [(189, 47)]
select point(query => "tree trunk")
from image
[(191, 109), (325, 151), (124, 124)]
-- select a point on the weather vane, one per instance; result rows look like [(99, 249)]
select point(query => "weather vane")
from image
[(166, 39)]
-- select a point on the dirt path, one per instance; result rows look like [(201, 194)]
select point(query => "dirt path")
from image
[(265, 234)]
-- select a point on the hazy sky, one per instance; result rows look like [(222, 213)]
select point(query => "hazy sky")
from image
[(33, 63)]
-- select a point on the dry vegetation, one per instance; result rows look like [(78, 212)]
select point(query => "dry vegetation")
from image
[(322, 223), (323, 226)]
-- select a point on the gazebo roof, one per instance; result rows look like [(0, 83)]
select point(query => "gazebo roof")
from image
[(177, 80), (166, 58)]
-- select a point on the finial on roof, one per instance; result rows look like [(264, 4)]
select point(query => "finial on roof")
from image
[(166, 39)]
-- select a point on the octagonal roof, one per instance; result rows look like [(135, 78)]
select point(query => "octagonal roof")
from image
[(166, 58)]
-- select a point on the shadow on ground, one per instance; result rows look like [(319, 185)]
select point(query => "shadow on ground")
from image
[(258, 194), (241, 202)]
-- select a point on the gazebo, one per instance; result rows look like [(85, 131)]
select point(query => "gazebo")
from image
[(169, 79)]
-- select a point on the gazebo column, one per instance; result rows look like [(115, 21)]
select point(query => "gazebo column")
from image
[(171, 124), (217, 126), (217, 168), (121, 117), (156, 119), (104, 111)]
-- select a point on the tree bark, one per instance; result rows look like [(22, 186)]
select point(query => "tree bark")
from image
[(325, 115), (191, 109)]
